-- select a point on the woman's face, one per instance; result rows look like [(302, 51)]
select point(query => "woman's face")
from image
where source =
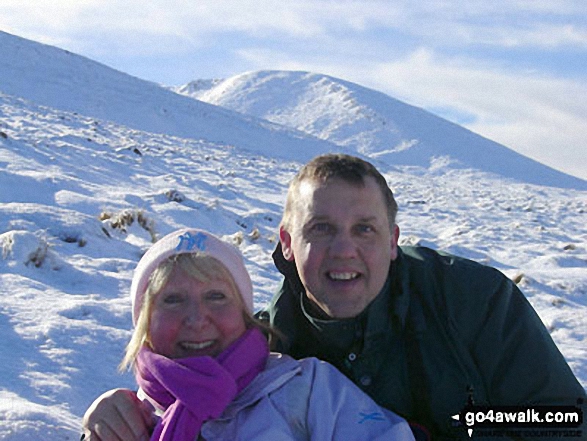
[(190, 318)]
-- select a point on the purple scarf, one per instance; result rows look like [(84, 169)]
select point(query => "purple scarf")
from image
[(193, 390)]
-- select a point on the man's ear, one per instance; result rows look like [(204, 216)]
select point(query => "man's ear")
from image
[(394, 239), (285, 239)]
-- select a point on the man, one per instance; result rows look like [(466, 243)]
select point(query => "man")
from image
[(423, 333)]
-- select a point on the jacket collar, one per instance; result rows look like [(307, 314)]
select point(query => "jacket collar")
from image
[(280, 368), (284, 266), (400, 289)]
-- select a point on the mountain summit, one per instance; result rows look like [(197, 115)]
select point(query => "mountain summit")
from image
[(370, 123), (296, 115)]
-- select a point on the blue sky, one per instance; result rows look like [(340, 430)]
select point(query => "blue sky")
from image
[(511, 70)]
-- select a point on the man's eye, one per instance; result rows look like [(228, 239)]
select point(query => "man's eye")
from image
[(365, 229), (321, 228)]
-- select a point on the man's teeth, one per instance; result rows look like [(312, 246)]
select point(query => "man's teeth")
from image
[(343, 276), (196, 346)]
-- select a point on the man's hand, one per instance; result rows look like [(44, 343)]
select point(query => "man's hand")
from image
[(118, 415)]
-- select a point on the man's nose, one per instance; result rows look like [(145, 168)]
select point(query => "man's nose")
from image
[(343, 245)]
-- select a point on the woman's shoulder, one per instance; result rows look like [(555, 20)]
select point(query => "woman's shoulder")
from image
[(305, 369), (277, 360), (282, 368)]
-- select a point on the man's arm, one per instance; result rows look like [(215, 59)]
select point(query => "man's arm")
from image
[(525, 366), (118, 415)]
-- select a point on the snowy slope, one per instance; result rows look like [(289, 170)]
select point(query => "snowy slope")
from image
[(71, 183), (63, 80), (369, 122)]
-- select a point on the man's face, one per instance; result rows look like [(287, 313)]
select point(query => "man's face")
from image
[(341, 243)]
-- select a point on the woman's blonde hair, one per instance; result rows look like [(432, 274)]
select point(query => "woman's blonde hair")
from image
[(202, 268)]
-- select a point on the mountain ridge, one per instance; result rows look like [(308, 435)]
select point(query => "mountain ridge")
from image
[(369, 122), (62, 80), (297, 114)]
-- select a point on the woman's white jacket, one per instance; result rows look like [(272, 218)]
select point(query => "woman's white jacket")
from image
[(304, 400)]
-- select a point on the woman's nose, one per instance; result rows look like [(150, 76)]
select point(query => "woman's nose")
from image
[(195, 315)]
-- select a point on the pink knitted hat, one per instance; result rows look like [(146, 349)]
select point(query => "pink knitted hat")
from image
[(189, 240)]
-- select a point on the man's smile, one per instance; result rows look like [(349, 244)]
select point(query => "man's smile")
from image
[(342, 276)]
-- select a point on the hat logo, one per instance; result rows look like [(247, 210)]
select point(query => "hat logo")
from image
[(189, 241)]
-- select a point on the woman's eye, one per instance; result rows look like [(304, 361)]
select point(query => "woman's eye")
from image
[(172, 299), (216, 296)]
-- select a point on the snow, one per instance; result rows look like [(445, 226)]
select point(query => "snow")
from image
[(92, 170), (368, 122)]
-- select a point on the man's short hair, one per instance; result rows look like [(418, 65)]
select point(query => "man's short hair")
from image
[(346, 167)]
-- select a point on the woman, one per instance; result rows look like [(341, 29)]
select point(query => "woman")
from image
[(203, 362)]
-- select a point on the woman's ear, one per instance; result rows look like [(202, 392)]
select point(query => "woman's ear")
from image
[(285, 239)]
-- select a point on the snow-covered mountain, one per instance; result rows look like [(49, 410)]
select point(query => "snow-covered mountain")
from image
[(369, 122), (62, 80), (92, 170)]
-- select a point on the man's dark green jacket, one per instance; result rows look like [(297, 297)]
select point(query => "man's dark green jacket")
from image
[(444, 332)]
